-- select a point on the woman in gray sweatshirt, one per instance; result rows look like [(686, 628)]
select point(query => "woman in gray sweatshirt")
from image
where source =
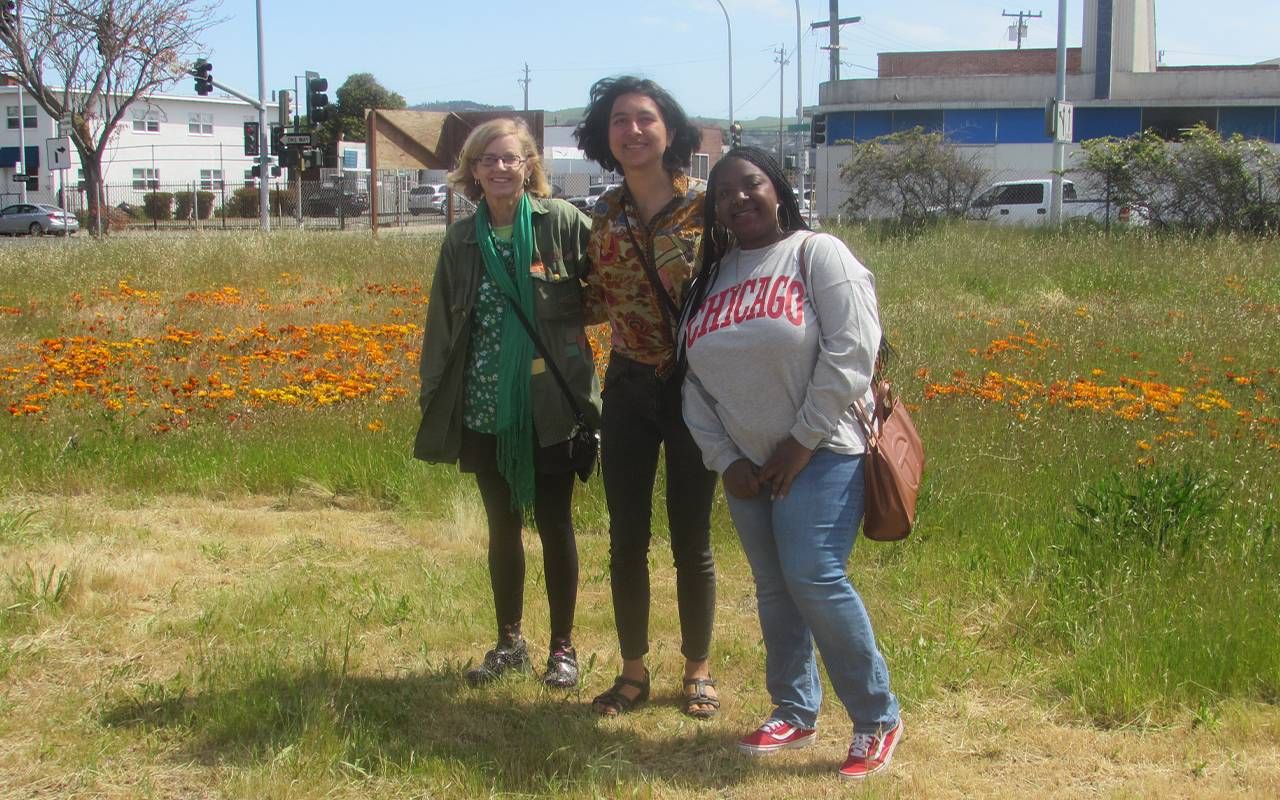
[(780, 334)]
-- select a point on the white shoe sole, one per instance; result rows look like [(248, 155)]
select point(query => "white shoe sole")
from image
[(753, 750)]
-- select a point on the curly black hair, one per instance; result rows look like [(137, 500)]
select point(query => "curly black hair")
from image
[(592, 133)]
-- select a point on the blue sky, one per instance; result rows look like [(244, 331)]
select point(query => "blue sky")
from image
[(433, 50)]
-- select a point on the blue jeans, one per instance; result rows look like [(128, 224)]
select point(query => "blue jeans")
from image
[(797, 547)]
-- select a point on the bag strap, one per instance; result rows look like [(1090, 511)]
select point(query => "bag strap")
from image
[(666, 303), (546, 358)]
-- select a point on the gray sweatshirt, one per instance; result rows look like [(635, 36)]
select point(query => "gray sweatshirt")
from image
[(774, 353)]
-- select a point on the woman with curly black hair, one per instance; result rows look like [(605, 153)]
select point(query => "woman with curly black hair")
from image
[(644, 245)]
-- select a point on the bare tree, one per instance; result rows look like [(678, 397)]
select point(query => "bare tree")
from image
[(86, 61)]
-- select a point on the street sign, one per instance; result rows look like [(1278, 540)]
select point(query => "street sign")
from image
[(296, 138), (58, 152), (1064, 122), (798, 127)]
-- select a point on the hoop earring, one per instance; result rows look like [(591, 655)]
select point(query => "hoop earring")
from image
[(777, 215)]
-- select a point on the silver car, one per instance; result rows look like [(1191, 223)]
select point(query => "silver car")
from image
[(36, 219)]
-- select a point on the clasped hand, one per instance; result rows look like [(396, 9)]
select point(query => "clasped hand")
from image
[(744, 480)]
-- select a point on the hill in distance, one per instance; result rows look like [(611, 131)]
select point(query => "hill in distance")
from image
[(572, 116)]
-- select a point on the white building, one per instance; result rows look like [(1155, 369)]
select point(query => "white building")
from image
[(165, 142)]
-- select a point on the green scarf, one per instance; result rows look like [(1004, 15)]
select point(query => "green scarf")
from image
[(515, 359)]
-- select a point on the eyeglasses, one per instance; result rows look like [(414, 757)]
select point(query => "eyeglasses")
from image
[(488, 160)]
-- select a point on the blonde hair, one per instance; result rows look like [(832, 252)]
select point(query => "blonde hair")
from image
[(482, 136)]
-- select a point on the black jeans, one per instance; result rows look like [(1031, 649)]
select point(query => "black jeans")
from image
[(552, 496), (641, 413)]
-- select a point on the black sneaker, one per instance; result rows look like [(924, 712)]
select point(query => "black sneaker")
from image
[(499, 661), (562, 667)]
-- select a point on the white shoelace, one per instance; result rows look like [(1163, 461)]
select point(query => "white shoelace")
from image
[(772, 725), (862, 744)]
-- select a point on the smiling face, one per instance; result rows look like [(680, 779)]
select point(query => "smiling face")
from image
[(501, 169), (746, 203), (638, 136)]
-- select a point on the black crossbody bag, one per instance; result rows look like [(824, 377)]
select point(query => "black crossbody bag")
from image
[(584, 442)]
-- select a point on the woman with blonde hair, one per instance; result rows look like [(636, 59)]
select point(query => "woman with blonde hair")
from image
[(490, 401)]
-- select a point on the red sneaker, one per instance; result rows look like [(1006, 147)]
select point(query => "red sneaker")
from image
[(870, 753), (774, 735)]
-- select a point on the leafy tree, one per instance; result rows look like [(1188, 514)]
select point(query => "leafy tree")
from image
[(1201, 182), (359, 93), (914, 175), (88, 61)]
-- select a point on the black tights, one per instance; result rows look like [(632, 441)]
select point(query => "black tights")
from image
[(642, 415), (552, 495)]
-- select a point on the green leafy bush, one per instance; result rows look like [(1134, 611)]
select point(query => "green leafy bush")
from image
[(204, 205), (158, 205)]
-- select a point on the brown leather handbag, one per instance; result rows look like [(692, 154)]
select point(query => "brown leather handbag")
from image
[(893, 467)]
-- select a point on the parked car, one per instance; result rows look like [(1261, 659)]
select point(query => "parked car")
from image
[(324, 201), (36, 219), (1026, 202), (427, 198)]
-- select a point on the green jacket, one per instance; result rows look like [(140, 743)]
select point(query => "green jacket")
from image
[(560, 247)]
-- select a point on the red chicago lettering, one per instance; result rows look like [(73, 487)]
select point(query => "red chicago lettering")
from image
[(778, 296), (740, 314), (732, 295), (762, 298), (711, 309), (795, 303)]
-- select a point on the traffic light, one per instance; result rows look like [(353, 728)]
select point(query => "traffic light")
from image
[(286, 108), (735, 134), (317, 100), (203, 72), (252, 139), (315, 157), (8, 17), (276, 144), (818, 130), (255, 171)]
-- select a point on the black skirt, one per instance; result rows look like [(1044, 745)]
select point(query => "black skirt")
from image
[(479, 453)]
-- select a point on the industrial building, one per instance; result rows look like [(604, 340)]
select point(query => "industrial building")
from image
[(994, 100)]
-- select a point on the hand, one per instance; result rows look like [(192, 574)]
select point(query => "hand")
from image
[(741, 479), (784, 465)]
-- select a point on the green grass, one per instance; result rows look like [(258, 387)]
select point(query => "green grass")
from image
[(287, 607)]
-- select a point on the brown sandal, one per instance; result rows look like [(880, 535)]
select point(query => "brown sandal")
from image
[(613, 702), (699, 697)]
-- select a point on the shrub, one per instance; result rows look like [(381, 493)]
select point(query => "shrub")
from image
[(113, 219), (204, 205), (244, 202), (158, 205), (1202, 182), (915, 176)]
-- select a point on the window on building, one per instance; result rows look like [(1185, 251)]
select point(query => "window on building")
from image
[(699, 167), (211, 179), (146, 178), (200, 124), (1170, 123), (28, 116), (146, 123)]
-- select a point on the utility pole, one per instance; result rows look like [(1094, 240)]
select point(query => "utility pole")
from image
[(834, 23), (525, 82), (782, 61), (1019, 32), (1059, 146)]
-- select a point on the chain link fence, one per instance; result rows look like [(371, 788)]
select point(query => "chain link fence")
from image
[(335, 201)]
